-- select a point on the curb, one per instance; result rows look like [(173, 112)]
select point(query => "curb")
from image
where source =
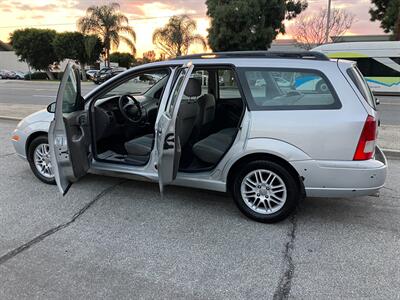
[(392, 153), (10, 118)]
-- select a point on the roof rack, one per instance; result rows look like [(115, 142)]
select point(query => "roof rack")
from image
[(313, 55)]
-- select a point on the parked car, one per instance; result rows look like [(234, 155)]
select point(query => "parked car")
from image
[(99, 73), (101, 77), (90, 73), (3, 74), (268, 147), (19, 75), (6, 74)]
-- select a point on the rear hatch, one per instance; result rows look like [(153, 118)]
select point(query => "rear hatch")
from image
[(367, 141)]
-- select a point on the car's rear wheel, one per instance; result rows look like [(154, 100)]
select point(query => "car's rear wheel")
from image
[(39, 159), (265, 191)]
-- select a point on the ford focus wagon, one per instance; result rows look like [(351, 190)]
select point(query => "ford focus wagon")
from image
[(268, 127)]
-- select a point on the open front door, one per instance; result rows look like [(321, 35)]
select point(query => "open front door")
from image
[(167, 141), (69, 134)]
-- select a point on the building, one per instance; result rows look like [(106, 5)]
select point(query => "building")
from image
[(361, 38), (293, 45), (9, 60), (5, 46), (286, 45)]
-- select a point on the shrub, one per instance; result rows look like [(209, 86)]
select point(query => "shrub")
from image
[(37, 76)]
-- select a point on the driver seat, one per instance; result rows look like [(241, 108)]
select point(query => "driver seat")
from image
[(139, 149)]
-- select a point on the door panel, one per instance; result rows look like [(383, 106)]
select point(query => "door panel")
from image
[(167, 141), (69, 132)]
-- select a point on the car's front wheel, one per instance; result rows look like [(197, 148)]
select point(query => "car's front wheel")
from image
[(39, 159), (265, 191)]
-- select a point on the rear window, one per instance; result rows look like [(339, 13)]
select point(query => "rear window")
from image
[(362, 85), (288, 89)]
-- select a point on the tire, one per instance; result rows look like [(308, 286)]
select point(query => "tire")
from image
[(33, 146), (322, 87), (266, 208)]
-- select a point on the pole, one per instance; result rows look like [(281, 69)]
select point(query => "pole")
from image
[(328, 20)]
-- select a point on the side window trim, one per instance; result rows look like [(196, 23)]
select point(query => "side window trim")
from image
[(253, 106), (364, 90)]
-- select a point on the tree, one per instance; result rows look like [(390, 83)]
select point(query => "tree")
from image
[(109, 24), (35, 46), (310, 30), (73, 45), (175, 38), (69, 45), (93, 49), (248, 24), (123, 59), (388, 13)]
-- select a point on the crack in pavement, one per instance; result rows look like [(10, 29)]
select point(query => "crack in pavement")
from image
[(53, 230), (285, 282)]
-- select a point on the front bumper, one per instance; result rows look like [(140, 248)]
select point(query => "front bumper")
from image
[(343, 178), (19, 145)]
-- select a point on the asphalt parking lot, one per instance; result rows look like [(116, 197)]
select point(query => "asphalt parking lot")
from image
[(117, 239)]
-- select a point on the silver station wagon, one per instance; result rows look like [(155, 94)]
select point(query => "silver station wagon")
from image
[(271, 128)]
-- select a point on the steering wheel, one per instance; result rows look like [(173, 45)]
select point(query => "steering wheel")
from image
[(131, 109)]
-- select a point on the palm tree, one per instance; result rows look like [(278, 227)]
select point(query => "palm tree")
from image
[(109, 24), (175, 38)]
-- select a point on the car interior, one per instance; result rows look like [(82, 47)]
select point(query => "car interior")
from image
[(207, 124)]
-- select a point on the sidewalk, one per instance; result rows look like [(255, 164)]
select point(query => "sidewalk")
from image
[(389, 136), (18, 111)]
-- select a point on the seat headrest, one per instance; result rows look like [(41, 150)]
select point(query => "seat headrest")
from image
[(193, 88)]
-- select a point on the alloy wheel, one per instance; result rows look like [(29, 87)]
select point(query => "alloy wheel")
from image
[(263, 191), (42, 160)]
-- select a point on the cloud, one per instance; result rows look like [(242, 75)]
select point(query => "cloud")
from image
[(360, 8), (135, 8)]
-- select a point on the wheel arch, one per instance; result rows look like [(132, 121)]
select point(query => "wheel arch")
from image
[(264, 156), (30, 138)]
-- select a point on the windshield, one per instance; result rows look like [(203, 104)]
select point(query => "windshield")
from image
[(138, 85)]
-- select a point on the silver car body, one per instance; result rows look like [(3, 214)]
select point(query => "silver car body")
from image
[(318, 144)]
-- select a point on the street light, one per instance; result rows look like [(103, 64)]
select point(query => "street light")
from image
[(328, 20)]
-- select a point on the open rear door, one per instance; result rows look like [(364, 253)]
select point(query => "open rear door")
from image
[(69, 132), (167, 141)]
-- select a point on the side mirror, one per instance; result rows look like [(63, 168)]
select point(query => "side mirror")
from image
[(377, 101), (51, 108)]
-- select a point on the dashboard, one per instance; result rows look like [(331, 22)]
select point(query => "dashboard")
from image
[(109, 120)]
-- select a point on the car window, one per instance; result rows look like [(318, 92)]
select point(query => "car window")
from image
[(70, 94), (174, 96), (362, 85), (138, 85), (288, 89), (228, 88)]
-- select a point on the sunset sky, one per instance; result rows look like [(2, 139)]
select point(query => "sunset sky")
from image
[(144, 16)]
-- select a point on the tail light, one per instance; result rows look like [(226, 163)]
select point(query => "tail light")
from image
[(366, 144)]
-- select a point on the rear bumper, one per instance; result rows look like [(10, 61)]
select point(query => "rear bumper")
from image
[(343, 178)]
